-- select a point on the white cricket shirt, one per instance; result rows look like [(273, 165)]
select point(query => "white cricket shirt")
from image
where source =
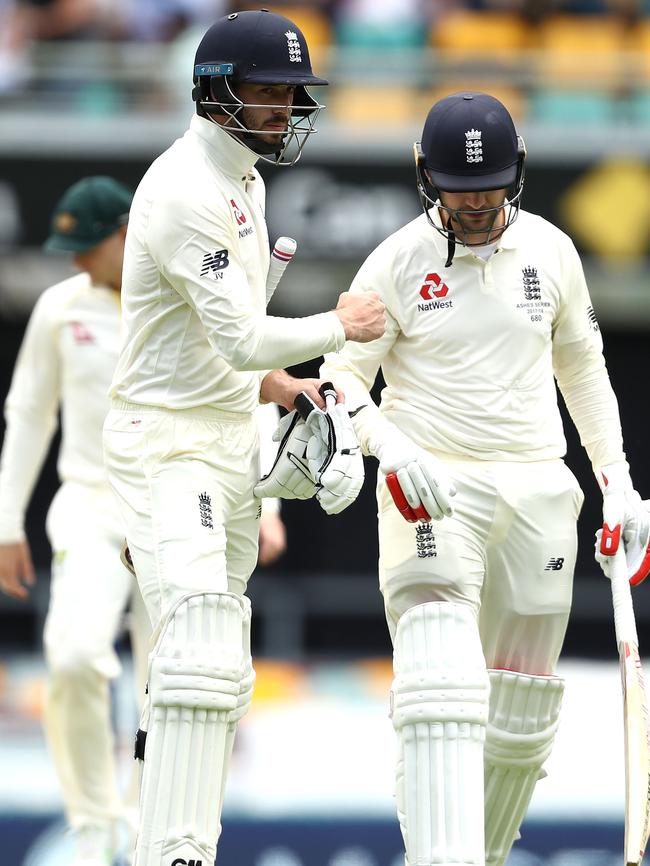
[(67, 357), (193, 289), (470, 351)]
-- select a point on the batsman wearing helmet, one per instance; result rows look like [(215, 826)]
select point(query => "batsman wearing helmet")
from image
[(181, 446), (487, 308)]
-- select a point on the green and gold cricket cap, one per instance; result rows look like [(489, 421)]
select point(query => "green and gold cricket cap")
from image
[(87, 213)]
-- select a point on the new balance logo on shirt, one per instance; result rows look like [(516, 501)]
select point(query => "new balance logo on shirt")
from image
[(555, 563), (215, 262)]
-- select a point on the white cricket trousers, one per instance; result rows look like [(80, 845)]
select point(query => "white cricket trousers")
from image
[(508, 551), (184, 482), (90, 590)]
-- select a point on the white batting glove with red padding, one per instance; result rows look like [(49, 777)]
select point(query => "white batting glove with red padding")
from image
[(418, 482), (625, 516)]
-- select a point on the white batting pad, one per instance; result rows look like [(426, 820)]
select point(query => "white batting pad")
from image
[(524, 715), (200, 685), (439, 711)]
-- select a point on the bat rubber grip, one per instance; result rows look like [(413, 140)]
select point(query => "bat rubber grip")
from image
[(303, 405), (326, 390), (285, 246)]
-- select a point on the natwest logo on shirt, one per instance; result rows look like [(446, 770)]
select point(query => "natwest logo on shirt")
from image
[(432, 293), (433, 287), (239, 214)]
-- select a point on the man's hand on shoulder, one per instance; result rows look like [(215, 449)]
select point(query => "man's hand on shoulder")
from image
[(363, 316)]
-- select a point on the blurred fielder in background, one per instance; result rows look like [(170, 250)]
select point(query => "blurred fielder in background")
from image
[(67, 359), (180, 442), (482, 313)]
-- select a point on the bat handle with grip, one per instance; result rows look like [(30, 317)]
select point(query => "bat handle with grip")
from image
[(329, 395), (624, 621), (303, 405), (283, 251)]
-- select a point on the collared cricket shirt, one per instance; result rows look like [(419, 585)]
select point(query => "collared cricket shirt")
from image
[(194, 295), (471, 350), (67, 358)]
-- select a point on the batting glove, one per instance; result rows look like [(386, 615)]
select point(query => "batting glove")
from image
[(625, 516), (290, 476), (418, 482), (333, 453)]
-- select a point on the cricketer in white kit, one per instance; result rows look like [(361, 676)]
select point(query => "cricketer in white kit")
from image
[(484, 315), (181, 446), (66, 361)]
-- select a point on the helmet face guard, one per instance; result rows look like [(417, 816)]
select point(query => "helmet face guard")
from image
[(430, 195), (257, 48), (215, 95)]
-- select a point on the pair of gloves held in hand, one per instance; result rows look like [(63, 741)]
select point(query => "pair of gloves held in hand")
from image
[(318, 455)]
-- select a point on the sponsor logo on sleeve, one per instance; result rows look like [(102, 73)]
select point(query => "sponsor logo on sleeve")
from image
[(240, 219), (240, 216), (593, 321), (215, 263)]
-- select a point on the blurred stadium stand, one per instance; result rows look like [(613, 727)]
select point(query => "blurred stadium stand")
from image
[(98, 87)]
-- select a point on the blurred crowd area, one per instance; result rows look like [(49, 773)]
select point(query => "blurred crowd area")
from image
[(580, 62)]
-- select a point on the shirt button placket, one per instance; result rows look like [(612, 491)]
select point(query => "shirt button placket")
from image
[(488, 278)]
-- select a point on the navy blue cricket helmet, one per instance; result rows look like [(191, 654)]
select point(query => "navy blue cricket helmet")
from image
[(469, 144), (256, 47)]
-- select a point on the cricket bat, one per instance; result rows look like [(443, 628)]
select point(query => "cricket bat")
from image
[(635, 707)]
